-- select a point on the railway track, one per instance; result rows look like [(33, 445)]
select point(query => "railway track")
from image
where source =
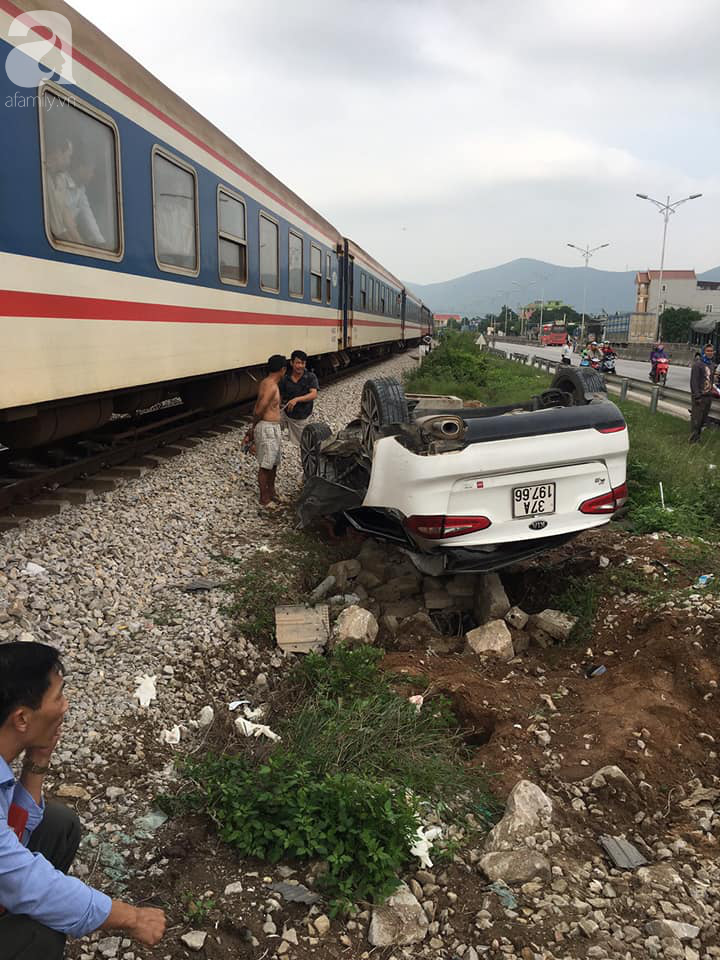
[(47, 481)]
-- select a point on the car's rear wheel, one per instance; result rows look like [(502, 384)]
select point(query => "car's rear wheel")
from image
[(383, 402), (310, 455)]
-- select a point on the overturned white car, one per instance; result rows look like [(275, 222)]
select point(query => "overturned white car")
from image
[(471, 488)]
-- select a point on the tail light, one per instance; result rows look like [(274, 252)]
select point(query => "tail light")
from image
[(607, 502), (611, 429), (441, 527)]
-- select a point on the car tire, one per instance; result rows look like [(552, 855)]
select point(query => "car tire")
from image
[(383, 402), (310, 442), (582, 383)]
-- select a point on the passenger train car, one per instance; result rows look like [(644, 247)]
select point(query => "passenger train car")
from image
[(144, 254)]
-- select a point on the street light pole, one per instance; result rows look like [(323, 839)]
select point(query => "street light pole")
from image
[(586, 252), (665, 209)]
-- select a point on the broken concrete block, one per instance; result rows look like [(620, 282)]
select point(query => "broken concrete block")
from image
[(491, 640), (344, 571), (462, 585), (517, 618), (403, 608), (356, 625), (539, 637), (491, 601), (322, 589), (418, 625), (368, 580), (438, 600), (558, 624), (399, 922), (515, 866), (389, 624), (301, 629), (398, 588)]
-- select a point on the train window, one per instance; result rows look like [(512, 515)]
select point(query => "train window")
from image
[(176, 219), (81, 177), (269, 270), (363, 290), (232, 238), (315, 272), (295, 265), (328, 277), (382, 298)]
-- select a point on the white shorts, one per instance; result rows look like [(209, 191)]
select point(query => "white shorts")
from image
[(268, 444), (294, 427)]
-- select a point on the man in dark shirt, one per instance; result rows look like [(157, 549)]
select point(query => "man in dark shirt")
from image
[(702, 383), (298, 390)]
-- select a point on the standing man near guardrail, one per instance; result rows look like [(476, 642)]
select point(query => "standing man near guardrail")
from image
[(702, 382)]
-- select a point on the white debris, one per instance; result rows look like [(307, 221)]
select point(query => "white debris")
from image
[(206, 716), (417, 701), (234, 704), (249, 729), (145, 691), (171, 737), (34, 569), (423, 842)]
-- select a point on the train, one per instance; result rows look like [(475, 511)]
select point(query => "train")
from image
[(144, 254)]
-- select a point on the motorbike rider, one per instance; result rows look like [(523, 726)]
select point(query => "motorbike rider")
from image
[(658, 353)]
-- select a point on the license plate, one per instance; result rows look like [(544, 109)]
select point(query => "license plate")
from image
[(534, 500)]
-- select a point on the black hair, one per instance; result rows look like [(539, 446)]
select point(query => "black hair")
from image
[(276, 363), (25, 670), (298, 355)]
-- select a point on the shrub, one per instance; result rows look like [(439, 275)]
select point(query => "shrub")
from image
[(361, 828)]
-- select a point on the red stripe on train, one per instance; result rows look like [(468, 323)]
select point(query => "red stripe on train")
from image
[(15, 303)]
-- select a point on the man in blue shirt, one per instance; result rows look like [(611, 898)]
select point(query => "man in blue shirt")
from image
[(39, 903)]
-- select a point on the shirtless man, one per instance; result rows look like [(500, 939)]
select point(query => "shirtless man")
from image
[(265, 430)]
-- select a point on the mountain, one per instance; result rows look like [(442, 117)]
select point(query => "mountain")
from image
[(485, 291)]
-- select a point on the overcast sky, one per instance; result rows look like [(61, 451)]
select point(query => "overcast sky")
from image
[(446, 136)]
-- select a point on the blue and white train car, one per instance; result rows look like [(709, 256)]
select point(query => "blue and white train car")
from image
[(142, 251)]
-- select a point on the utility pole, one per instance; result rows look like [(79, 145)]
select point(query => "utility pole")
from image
[(586, 252), (665, 209)]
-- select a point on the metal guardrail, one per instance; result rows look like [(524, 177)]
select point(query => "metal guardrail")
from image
[(625, 385)]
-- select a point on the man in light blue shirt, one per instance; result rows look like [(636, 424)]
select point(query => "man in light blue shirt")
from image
[(39, 903)]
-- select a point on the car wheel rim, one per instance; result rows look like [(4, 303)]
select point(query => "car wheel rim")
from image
[(370, 416), (310, 459)]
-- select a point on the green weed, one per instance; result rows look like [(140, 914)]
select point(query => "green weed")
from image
[(347, 781)]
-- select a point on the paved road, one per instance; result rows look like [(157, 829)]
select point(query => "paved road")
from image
[(678, 377)]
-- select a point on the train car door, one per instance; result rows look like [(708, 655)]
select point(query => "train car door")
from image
[(403, 313), (349, 311)]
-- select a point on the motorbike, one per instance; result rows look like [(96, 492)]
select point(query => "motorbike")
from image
[(659, 371), (607, 364)]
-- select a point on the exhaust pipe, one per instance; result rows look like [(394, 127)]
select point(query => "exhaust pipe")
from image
[(442, 428)]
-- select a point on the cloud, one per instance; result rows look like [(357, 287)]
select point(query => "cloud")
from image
[(528, 124)]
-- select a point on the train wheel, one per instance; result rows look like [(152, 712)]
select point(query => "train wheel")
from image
[(310, 442), (383, 402)]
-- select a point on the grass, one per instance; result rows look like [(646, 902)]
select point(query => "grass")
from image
[(458, 367), (581, 596), (353, 721), (356, 770), (283, 575), (689, 473)]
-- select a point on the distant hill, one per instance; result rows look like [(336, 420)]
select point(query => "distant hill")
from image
[(485, 291)]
